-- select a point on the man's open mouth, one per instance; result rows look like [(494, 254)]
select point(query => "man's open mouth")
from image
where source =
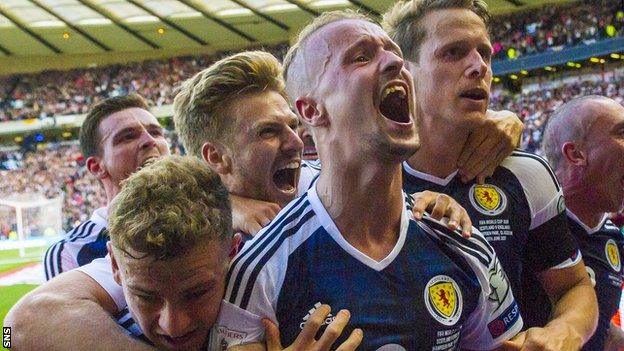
[(477, 94), (148, 161), (285, 178), (395, 104)]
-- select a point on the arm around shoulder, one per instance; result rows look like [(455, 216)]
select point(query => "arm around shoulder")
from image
[(70, 311)]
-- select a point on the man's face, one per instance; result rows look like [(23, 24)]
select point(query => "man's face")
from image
[(266, 150), (129, 139), (175, 301), (309, 148), (453, 72), (604, 146), (360, 84)]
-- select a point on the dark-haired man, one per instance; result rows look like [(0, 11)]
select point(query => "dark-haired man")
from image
[(118, 136), (520, 208)]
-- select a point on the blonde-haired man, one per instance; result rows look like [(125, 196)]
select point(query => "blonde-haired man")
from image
[(170, 235), (520, 208), (351, 241)]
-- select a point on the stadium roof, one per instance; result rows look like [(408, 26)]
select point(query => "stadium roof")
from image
[(44, 28)]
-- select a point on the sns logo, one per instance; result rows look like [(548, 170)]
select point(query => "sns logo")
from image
[(6, 337), (613, 255), (443, 299)]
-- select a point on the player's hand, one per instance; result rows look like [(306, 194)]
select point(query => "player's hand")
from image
[(442, 205), (249, 215), (543, 339), (488, 145), (306, 341)]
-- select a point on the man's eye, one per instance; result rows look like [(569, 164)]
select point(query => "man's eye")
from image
[(196, 294), (146, 298), (361, 58), (268, 132)]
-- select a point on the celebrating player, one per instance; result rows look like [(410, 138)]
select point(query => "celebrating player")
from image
[(350, 241), (118, 136), (519, 209), (584, 143)]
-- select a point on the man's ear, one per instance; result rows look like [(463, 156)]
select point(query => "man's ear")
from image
[(95, 167), (114, 263), (215, 155), (310, 112), (574, 154)]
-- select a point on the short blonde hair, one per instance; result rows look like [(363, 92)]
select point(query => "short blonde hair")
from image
[(201, 105), (166, 208), (297, 83), (402, 21)]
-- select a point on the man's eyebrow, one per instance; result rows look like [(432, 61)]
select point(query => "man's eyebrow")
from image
[(139, 289)]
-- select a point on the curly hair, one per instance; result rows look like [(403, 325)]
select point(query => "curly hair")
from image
[(166, 208)]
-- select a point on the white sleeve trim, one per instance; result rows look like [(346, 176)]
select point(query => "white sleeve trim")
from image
[(540, 186)]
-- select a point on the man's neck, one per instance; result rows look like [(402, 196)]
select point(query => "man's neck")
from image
[(440, 148), (583, 209), (575, 191), (366, 202)]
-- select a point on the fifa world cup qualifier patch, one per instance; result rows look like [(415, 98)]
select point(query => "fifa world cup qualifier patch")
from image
[(488, 199), (443, 299), (613, 255)]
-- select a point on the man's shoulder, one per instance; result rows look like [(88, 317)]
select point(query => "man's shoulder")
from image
[(475, 248), (530, 169)]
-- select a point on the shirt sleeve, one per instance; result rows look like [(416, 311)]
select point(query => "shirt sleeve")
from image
[(57, 260), (101, 271), (497, 316), (235, 326), (549, 243)]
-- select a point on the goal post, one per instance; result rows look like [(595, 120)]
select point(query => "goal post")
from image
[(29, 220)]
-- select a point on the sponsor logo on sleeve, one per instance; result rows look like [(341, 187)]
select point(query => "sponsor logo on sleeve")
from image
[(504, 321), (443, 299), (229, 337), (488, 199), (613, 255)]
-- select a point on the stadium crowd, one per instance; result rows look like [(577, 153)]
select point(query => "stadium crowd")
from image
[(554, 27), (55, 93)]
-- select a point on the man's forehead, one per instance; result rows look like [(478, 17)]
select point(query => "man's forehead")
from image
[(451, 22), (121, 119), (343, 31), (176, 271)]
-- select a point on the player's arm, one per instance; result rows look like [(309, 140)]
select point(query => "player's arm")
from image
[(249, 215), (574, 315), (70, 312), (442, 206), (57, 261), (306, 339), (488, 144)]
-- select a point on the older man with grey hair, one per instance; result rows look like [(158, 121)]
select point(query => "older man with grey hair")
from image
[(584, 142)]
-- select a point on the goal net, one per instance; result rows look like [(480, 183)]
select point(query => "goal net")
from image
[(29, 220)]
